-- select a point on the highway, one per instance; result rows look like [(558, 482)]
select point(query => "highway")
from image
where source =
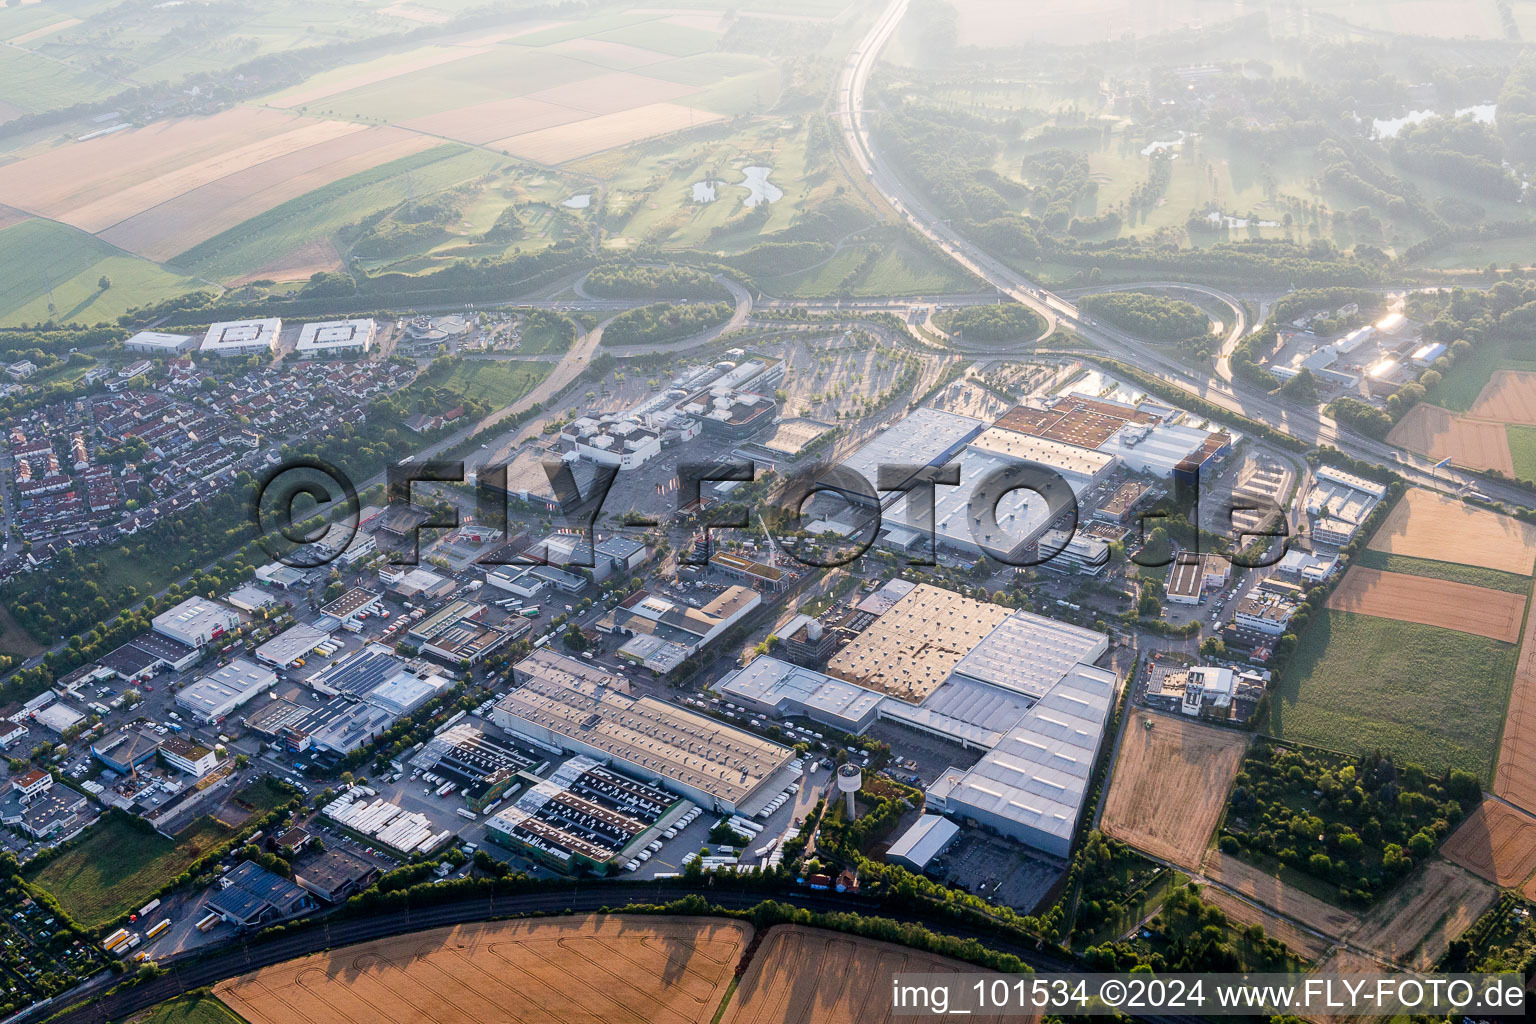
[(209, 967), (1236, 396)]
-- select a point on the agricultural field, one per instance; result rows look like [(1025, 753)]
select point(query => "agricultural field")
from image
[(1472, 575), (820, 977), (1495, 614), (1413, 924), (1170, 785), (268, 244), (1273, 892), (203, 1009), (615, 969), (118, 866), (1437, 433), (1429, 525), (1469, 377), (1358, 683), (1496, 842), (1515, 778), (41, 256)]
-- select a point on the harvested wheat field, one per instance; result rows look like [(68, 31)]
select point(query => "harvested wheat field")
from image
[(1438, 433), (1277, 895), (1347, 961), (580, 138), (614, 969), (1509, 397), (1430, 602), (1515, 778), (1429, 525), (1414, 923), (176, 225), (809, 976), (1497, 842), (1170, 784), (92, 185), (1307, 945)]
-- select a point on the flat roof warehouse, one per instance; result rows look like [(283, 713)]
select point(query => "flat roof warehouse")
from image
[(567, 705), (1017, 685)]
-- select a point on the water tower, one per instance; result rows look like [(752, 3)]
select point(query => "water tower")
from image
[(849, 779)]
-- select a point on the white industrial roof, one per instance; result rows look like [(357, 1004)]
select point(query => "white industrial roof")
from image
[(1155, 448), (1038, 775), (157, 339), (335, 334), (232, 682), (237, 334), (923, 841), (919, 439), (1021, 514), (773, 683), (1030, 653)]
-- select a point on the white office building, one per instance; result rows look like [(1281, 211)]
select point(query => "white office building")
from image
[(337, 336), (242, 337)]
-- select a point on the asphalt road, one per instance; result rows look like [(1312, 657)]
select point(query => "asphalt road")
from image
[(1303, 423)]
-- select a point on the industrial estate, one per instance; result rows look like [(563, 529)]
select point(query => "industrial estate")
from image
[(585, 511)]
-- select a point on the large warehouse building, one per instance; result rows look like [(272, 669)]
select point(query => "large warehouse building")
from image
[(1019, 686), (242, 337), (336, 336), (223, 690), (569, 706), (196, 621)]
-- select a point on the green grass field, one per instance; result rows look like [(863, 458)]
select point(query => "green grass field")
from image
[(118, 867), (192, 1010), (900, 270), (321, 213), (496, 382), (31, 82), (1474, 575), (39, 253), (542, 340), (1460, 386), (1522, 449), (1423, 694)]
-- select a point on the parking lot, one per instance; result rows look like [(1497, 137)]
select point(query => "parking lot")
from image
[(999, 870)]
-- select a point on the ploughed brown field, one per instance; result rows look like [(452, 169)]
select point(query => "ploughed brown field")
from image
[(1170, 784), (614, 969), (810, 976), (1429, 525), (1438, 433), (1414, 923), (1431, 602), (1270, 891), (1496, 842)]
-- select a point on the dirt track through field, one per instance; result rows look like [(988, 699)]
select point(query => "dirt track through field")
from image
[(1496, 842), (1414, 923), (1429, 525), (620, 970), (1438, 433), (1298, 940), (1170, 784), (1265, 888), (1515, 777), (1509, 397), (1431, 602)]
